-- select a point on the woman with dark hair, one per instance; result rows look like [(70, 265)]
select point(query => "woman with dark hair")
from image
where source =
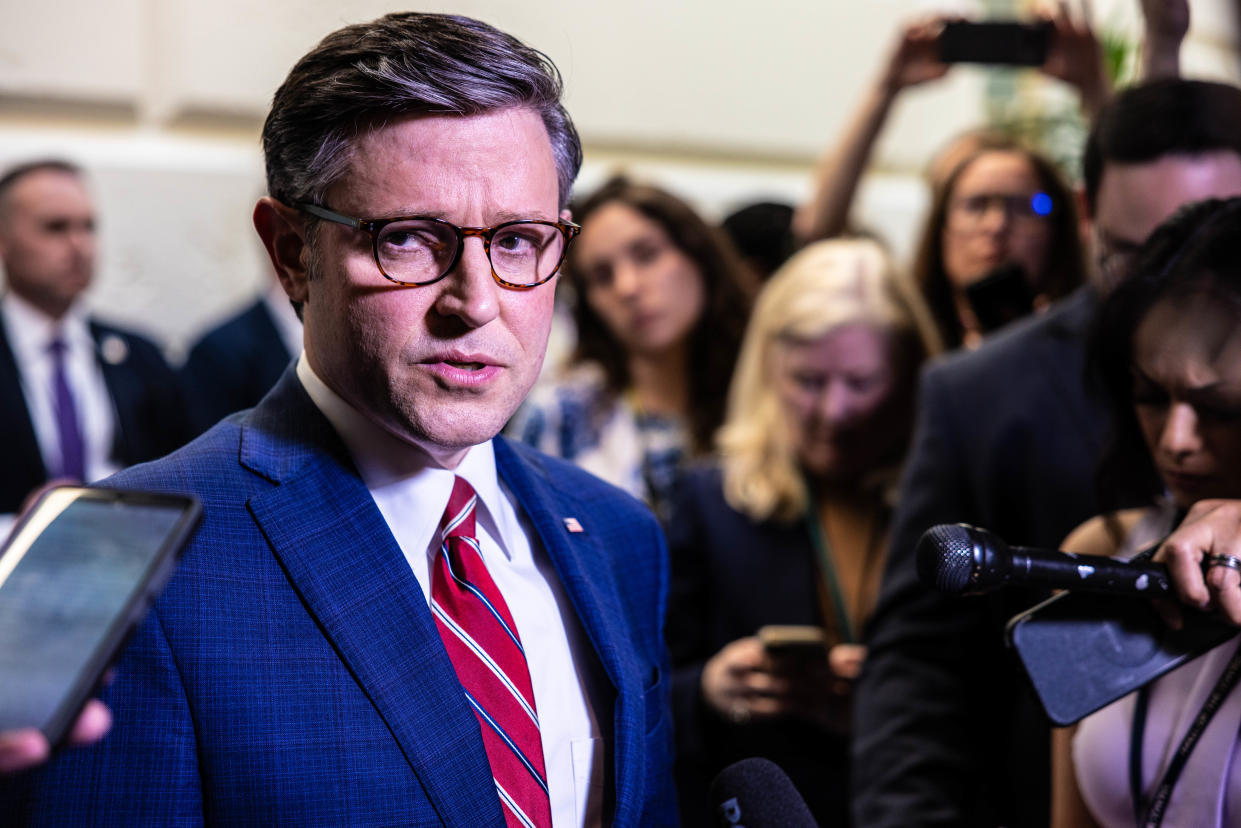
[(661, 305), (1002, 212), (1167, 347)]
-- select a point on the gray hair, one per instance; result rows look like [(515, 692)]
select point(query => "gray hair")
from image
[(404, 64)]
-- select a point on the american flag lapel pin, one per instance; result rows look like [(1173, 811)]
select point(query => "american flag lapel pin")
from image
[(572, 525)]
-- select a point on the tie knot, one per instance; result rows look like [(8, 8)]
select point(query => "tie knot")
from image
[(458, 518), (57, 346)]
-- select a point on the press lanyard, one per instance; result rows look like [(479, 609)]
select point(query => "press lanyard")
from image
[(828, 569), (1152, 816)]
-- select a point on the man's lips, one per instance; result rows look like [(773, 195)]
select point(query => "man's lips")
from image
[(463, 369)]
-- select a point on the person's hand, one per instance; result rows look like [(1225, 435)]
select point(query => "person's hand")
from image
[(846, 660), (1075, 57), (26, 748), (743, 683), (740, 684), (915, 57), (1210, 534)]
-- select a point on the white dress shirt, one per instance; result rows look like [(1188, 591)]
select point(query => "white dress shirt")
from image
[(411, 496), (30, 332)]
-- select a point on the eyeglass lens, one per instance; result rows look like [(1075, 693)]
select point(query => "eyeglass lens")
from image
[(975, 207), (422, 251)]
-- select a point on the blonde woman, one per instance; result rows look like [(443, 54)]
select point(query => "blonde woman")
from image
[(791, 528)]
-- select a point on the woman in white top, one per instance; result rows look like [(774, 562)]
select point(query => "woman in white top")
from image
[(1168, 346)]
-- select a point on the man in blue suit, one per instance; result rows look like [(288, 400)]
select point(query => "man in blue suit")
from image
[(301, 667)]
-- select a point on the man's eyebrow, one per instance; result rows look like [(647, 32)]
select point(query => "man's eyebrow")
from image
[(443, 215)]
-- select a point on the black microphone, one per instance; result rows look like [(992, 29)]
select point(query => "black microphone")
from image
[(959, 559), (756, 793)]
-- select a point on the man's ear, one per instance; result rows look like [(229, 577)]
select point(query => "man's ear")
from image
[(284, 236)]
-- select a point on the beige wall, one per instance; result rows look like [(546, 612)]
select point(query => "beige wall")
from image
[(724, 102)]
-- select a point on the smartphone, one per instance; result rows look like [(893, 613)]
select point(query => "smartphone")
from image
[(1083, 651), (1004, 42), (795, 642), (77, 574), (1000, 297)]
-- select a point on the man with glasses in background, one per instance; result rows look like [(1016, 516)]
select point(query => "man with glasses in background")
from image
[(947, 731), (387, 616)]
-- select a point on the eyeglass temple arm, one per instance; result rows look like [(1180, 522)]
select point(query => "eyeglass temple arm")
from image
[(330, 215)]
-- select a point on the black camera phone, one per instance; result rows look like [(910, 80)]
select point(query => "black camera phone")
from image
[(77, 574), (1083, 651), (1002, 42), (1000, 297)]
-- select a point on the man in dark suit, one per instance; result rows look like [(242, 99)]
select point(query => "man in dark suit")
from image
[(947, 731), (238, 361), (102, 397), (389, 615)]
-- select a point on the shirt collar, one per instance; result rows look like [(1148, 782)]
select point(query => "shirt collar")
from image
[(386, 461), (30, 330)]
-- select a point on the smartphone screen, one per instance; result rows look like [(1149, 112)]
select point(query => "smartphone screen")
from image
[(80, 570)]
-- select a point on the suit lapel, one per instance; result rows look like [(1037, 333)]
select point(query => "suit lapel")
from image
[(26, 462), (333, 543), (578, 559)]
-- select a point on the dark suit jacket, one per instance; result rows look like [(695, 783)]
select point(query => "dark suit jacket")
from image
[(149, 409), (291, 673), (947, 730), (233, 365), (730, 576)]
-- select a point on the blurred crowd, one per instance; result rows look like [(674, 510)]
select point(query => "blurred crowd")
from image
[(1060, 363)]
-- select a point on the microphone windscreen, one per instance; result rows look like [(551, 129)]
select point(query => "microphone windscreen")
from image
[(756, 793), (946, 557)]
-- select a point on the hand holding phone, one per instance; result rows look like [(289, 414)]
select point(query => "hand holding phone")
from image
[(27, 748), (76, 576)]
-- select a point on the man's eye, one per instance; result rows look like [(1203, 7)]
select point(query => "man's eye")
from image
[(516, 244), (407, 242)]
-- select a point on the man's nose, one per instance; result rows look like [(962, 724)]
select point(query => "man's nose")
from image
[(83, 241), (470, 291)]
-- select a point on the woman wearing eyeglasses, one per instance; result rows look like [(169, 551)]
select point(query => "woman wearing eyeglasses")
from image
[(1003, 214)]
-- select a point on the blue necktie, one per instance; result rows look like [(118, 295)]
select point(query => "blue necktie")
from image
[(72, 452)]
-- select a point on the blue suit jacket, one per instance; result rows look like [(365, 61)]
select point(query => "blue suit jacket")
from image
[(291, 673)]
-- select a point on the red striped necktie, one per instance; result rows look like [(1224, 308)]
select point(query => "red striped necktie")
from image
[(482, 641)]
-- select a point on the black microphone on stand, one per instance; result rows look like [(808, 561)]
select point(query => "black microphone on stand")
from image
[(756, 793), (959, 559)]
